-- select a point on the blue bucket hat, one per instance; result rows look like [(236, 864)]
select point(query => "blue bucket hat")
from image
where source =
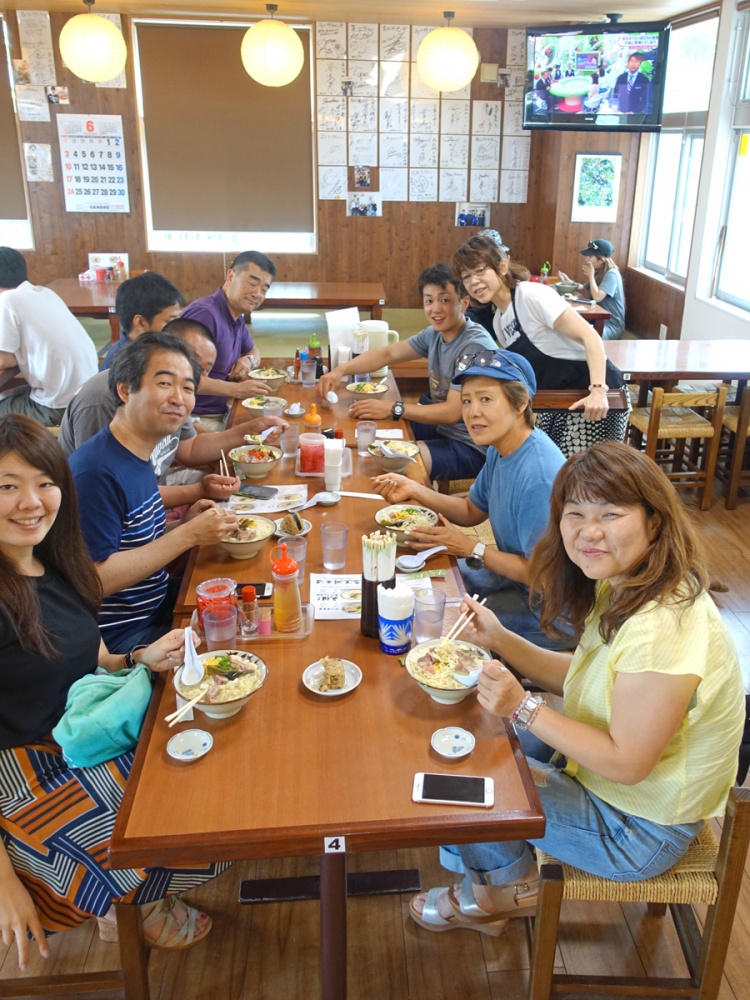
[(504, 365)]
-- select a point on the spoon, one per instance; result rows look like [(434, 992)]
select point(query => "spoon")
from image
[(413, 563), (192, 672), (260, 438), (468, 678), (390, 453), (324, 498)]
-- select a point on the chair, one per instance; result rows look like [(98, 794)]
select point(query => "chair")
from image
[(671, 418), (709, 874), (131, 981), (737, 469)]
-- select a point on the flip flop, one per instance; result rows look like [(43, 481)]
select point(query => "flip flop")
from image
[(432, 920)]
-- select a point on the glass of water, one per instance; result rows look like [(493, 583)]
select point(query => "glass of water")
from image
[(333, 536), (429, 611)]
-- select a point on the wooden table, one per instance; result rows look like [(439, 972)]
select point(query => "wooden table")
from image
[(95, 299), (667, 361), (322, 294), (296, 774), (594, 314)]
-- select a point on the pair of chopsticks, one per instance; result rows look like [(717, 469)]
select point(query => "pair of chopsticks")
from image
[(223, 466), (464, 620), (174, 717)]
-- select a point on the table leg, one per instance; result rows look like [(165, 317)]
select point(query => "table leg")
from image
[(376, 312), (333, 926), (114, 326), (134, 954)]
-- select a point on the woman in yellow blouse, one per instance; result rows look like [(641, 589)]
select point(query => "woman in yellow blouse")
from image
[(645, 747)]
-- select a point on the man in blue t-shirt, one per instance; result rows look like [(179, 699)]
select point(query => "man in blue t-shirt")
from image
[(447, 449), (122, 514)]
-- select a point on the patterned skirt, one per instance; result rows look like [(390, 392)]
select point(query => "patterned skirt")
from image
[(56, 823), (571, 433)]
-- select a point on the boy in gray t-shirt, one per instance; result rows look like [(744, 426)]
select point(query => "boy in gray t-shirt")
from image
[(444, 442)]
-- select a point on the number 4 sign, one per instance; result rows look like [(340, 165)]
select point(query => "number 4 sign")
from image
[(334, 845)]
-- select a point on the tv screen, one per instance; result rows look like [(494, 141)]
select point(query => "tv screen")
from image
[(596, 77)]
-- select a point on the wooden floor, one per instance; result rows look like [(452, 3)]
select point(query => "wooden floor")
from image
[(271, 952)]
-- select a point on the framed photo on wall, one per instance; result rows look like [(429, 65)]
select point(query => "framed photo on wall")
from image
[(596, 187)]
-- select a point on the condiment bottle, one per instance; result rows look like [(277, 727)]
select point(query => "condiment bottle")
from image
[(214, 593), (312, 420), (319, 367), (313, 346), (287, 607), (297, 363), (249, 611), (544, 271), (338, 434)]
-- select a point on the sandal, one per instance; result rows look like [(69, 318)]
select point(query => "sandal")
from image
[(468, 914), (174, 933)]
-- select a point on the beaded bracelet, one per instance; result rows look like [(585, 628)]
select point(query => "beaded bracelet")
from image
[(527, 711)]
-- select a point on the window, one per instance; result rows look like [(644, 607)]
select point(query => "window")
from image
[(15, 228), (675, 154)]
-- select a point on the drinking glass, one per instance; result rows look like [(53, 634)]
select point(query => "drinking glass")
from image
[(429, 610), (290, 440), (365, 435), (296, 548), (333, 536), (272, 409), (307, 371), (220, 627)]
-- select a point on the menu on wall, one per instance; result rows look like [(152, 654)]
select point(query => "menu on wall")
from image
[(92, 156)]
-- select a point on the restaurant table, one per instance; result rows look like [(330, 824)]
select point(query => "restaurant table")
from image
[(322, 294), (95, 299), (298, 774), (651, 362)]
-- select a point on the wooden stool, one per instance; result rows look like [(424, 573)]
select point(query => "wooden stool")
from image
[(737, 471), (709, 873), (131, 980)]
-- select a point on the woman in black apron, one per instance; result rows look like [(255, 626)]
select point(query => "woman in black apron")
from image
[(563, 349)]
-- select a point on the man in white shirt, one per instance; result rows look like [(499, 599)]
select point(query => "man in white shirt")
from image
[(41, 337)]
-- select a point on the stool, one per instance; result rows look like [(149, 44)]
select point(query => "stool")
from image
[(709, 873), (131, 980)]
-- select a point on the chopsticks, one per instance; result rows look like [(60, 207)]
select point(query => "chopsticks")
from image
[(225, 469), (463, 620), (176, 716)]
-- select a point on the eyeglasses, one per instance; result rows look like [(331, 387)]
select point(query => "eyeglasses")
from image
[(487, 359), (467, 278)]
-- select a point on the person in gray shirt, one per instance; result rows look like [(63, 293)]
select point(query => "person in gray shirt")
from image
[(444, 442)]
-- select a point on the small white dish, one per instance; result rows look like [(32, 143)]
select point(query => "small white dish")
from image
[(314, 673), (452, 742), (190, 745), (328, 499), (306, 526)]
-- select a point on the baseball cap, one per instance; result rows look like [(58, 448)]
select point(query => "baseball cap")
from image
[(599, 248), (507, 366)]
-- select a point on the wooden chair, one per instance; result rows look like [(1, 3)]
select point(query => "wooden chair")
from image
[(131, 981), (711, 873), (670, 418), (737, 469)]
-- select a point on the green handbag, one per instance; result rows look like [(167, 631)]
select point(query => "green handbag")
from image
[(103, 715)]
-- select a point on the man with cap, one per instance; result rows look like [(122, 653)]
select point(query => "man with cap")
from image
[(604, 285), (512, 490)]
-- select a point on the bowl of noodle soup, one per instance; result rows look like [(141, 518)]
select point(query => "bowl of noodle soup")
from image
[(231, 677), (432, 663)]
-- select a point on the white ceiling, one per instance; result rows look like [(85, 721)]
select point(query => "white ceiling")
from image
[(477, 13)]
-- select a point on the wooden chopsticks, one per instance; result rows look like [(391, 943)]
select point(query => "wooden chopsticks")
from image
[(223, 466), (174, 717), (463, 621)]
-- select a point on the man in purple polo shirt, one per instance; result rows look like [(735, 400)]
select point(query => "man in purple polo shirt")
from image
[(248, 279)]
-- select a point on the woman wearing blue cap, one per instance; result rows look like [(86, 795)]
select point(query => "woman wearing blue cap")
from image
[(512, 490), (565, 352), (604, 285)]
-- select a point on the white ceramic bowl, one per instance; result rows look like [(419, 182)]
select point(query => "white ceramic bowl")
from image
[(190, 745), (247, 550), (444, 696), (255, 404), (396, 463), (224, 709), (255, 470), (386, 513), (355, 388), (452, 742), (272, 381)]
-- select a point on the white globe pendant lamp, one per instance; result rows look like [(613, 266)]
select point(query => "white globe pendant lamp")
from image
[(447, 58), (92, 47), (272, 52)]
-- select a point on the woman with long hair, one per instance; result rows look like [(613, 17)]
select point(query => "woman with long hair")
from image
[(54, 874), (645, 747), (603, 284), (564, 351)]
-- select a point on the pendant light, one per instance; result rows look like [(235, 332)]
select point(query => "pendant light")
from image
[(447, 58), (272, 52), (92, 47)]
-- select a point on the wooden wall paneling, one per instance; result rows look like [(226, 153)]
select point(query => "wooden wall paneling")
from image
[(651, 302)]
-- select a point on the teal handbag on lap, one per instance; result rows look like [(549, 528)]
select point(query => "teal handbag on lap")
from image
[(103, 715)]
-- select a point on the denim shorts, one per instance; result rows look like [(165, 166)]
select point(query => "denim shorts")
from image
[(451, 459), (581, 830)]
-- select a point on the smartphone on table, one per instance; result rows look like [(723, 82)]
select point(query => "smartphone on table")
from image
[(453, 789), (257, 492), (262, 590)]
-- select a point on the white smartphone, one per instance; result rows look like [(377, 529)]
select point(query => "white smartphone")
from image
[(453, 789)]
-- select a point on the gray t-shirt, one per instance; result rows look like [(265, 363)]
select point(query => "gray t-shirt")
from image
[(613, 302), (93, 407), (441, 363)]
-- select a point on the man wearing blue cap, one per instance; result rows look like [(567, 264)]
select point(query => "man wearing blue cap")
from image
[(512, 490)]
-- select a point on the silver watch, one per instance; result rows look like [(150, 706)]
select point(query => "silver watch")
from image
[(475, 559)]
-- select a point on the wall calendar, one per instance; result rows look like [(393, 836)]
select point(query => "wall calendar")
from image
[(92, 156)]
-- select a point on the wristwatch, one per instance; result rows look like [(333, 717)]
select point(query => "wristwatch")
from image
[(475, 559), (397, 410)]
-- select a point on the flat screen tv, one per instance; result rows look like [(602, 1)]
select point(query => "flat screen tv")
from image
[(596, 77)]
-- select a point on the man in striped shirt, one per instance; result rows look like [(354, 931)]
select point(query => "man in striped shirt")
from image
[(122, 515)]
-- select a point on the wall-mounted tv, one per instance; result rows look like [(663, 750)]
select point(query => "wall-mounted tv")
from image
[(596, 77)]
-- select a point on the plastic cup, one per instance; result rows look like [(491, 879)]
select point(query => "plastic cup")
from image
[(272, 409), (429, 610), (220, 627), (307, 372), (101, 273), (332, 477), (333, 536), (290, 440), (365, 435), (296, 548)]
